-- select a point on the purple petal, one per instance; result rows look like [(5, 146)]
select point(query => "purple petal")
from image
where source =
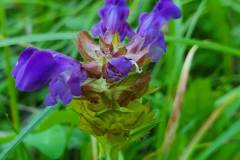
[(116, 2), (66, 85), (77, 78), (135, 44), (35, 72), (59, 90), (23, 58), (99, 29), (118, 68), (168, 9), (157, 49), (50, 100)]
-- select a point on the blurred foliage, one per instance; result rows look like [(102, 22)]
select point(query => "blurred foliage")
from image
[(213, 75)]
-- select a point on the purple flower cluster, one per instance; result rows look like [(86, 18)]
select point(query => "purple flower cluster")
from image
[(66, 76)]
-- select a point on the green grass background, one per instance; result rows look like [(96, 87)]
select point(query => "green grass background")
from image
[(212, 90)]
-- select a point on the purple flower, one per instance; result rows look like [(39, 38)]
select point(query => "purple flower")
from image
[(118, 68), (35, 68), (113, 19), (151, 23)]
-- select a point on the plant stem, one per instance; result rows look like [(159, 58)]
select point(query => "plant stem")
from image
[(94, 148), (108, 151)]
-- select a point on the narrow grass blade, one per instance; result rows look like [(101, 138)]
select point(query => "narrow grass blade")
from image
[(195, 18), (180, 50), (6, 137), (38, 38), (71, 35), (176, 111), (205, 44), (11, 90), (19, 138), (12, 95)]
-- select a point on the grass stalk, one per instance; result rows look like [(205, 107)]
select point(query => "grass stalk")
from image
[(8, 71), (10, 82), (11, 90), (176, 111), (205, 45), (180, 50)]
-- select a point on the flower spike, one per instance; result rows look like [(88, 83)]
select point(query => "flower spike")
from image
[(105, 88)]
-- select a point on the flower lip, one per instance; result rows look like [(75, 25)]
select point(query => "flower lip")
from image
[(118, 68), (23, 58), (34, 69)]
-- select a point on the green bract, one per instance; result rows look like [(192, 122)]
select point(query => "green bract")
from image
[(115, 113)]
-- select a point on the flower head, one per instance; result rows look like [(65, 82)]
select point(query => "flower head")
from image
[(36, 68), (113, 18)]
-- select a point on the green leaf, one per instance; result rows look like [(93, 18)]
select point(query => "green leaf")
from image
[(63, 116), (77, 139), (197, 104), (51, 142)]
